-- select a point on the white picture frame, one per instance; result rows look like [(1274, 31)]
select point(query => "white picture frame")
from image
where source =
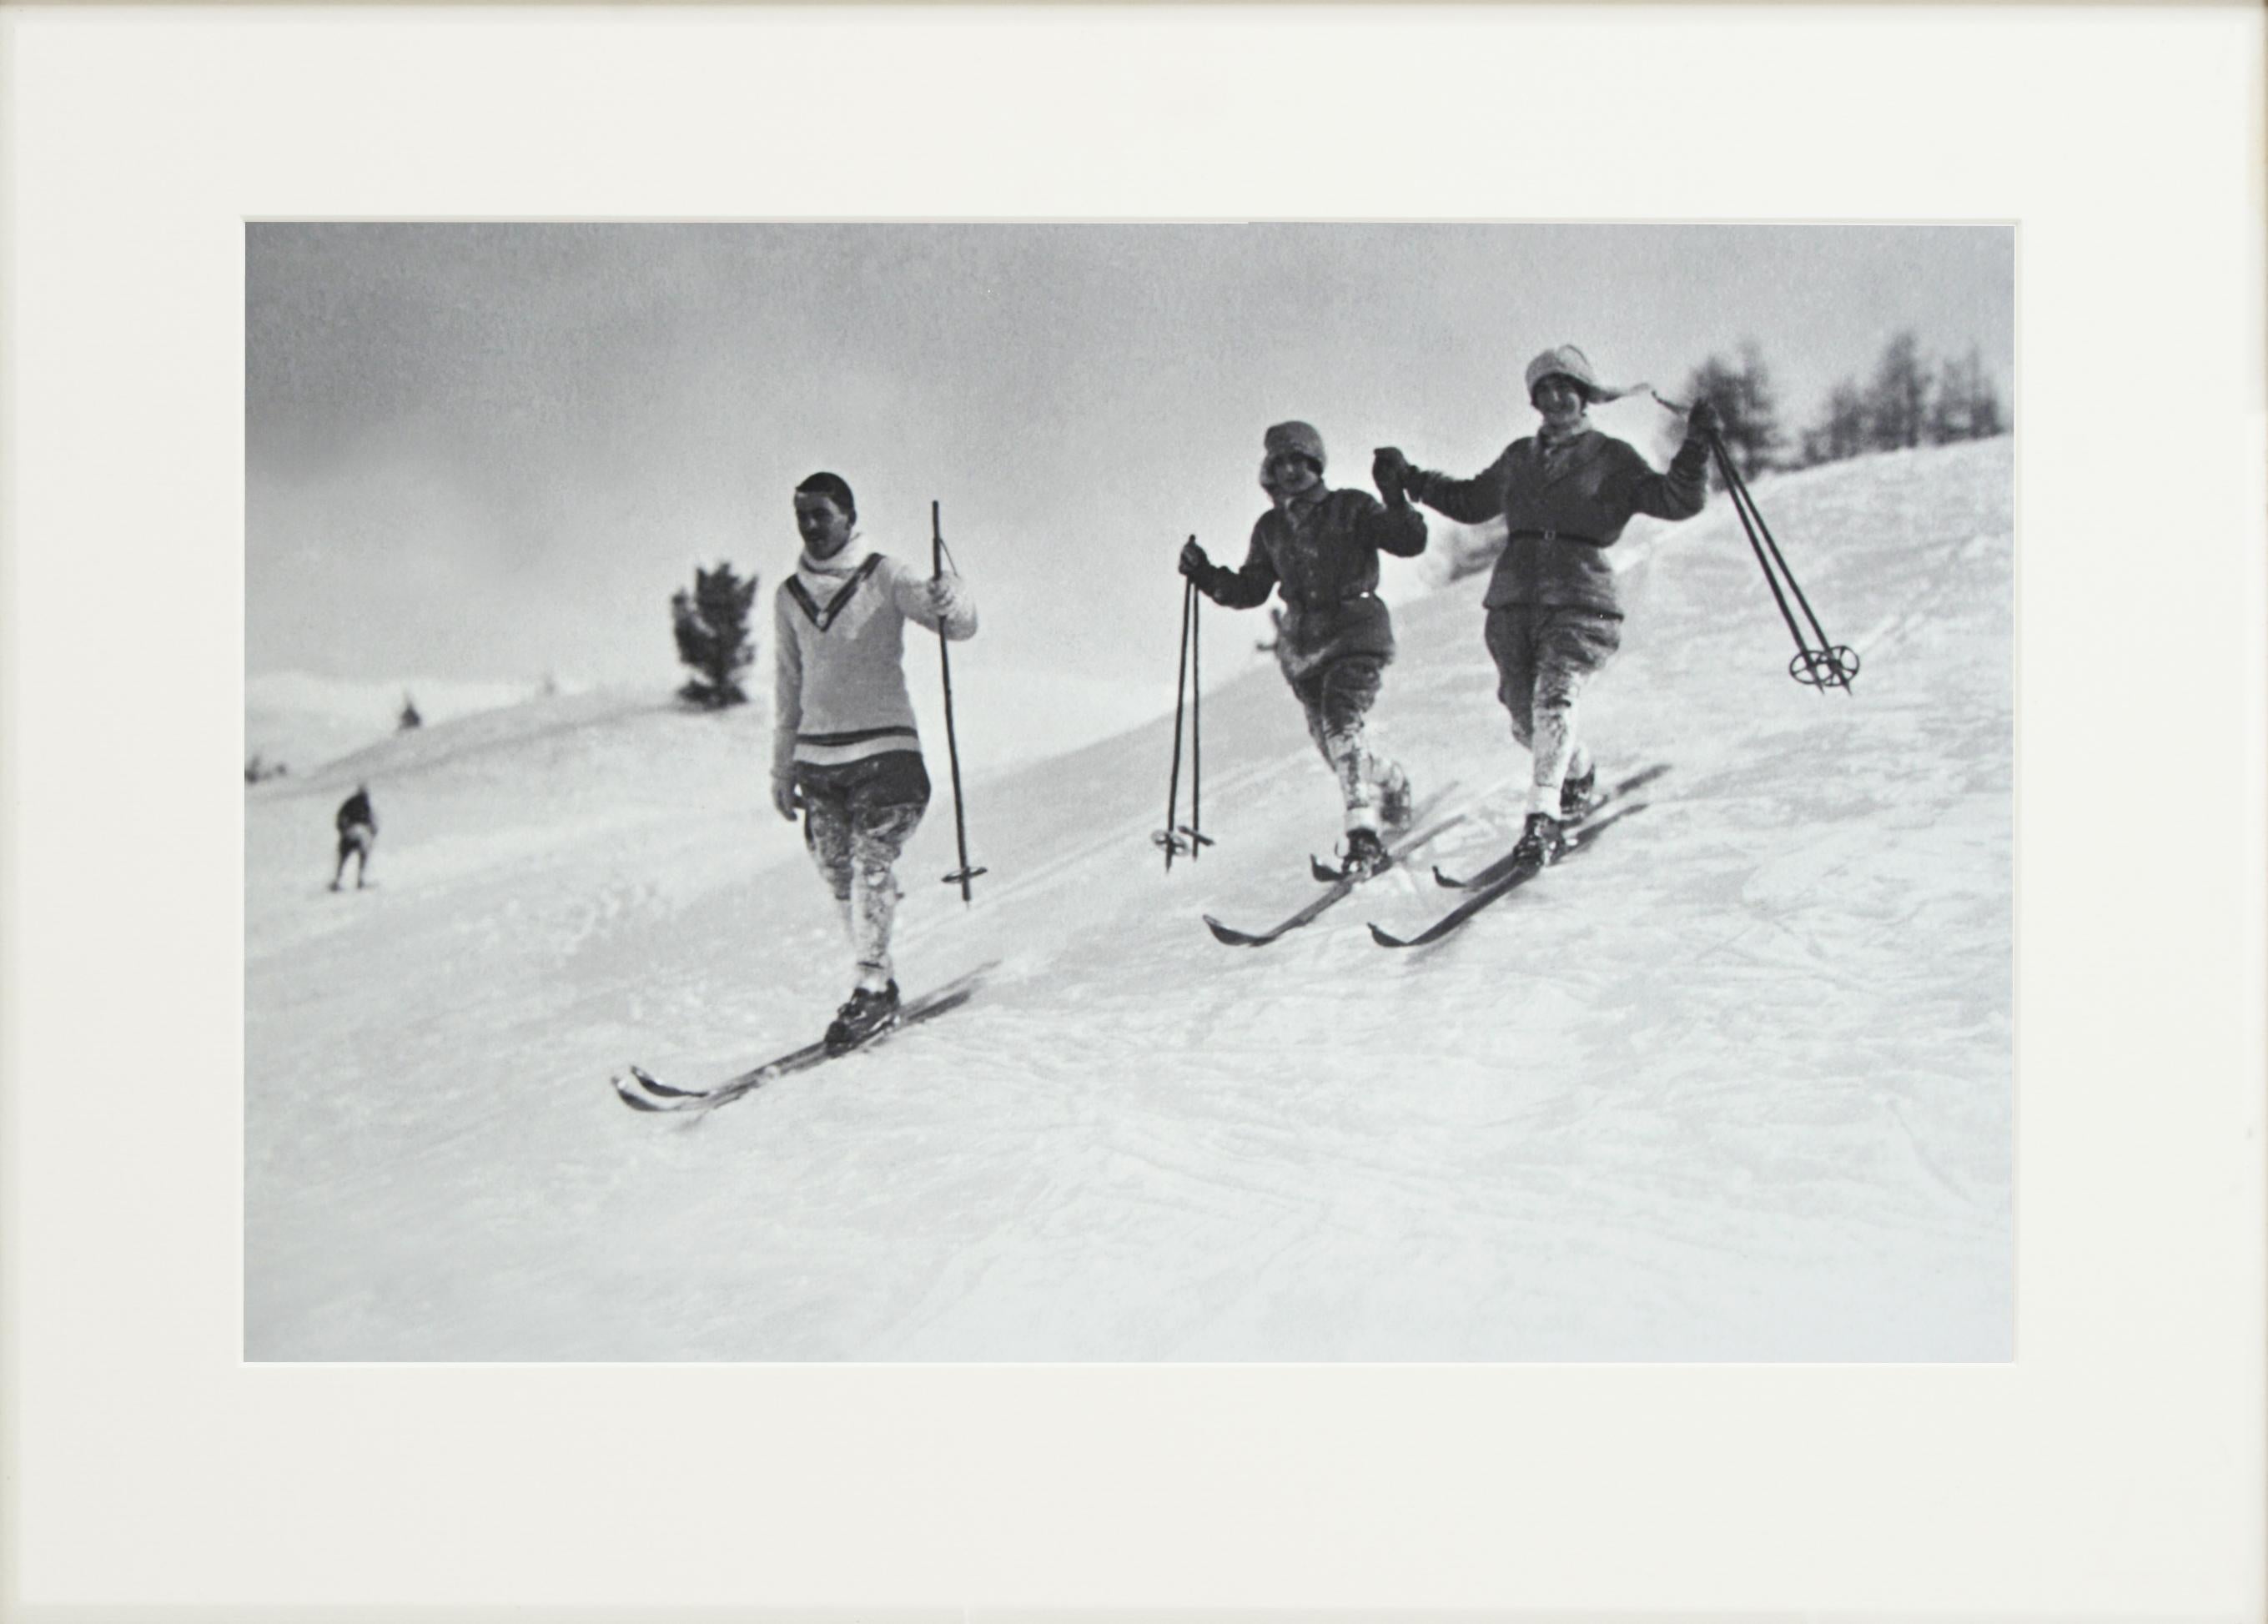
[(2116, 1468)]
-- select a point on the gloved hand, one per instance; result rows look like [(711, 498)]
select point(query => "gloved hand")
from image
[(786, 798), (946, 595), (1390, 471), (1195, 564), (1703, 423)]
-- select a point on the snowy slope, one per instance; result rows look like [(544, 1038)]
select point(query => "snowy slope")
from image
[(301, 721), (1735, 1086)]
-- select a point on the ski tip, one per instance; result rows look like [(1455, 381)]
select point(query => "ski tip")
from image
[(628, 1096), (653, 1084), (1386, 939), (1223, 934), (1439, 879)]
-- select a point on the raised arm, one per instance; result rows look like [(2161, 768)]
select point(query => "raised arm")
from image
[(1393, 526), (1683, 490), (1469, 502)]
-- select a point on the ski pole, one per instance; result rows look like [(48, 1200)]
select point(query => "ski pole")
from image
[(1199, 840), (965, 873), (1167, 837), (1830, 662), (1740, 508), (1196, 724)]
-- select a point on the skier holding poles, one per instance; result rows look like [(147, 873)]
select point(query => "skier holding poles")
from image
[(1319, 548), (1554, 617), (844, 749)]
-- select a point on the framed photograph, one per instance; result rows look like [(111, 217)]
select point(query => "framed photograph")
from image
[(766, 1051), (1383, 1145)]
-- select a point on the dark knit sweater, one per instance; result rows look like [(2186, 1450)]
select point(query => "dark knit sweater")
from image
[(1561, 508)]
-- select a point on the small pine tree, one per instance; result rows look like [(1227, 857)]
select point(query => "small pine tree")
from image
[(712, 622), (1761, 440), (1841, 430), (1986, 416), (1949, 411), (408, 718), (1847, 421), (1898, 402), (1747, 404)]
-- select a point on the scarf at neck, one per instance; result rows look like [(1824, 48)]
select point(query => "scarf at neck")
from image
[(842, 564)]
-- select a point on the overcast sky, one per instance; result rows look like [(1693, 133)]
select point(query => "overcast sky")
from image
[(492, 452)]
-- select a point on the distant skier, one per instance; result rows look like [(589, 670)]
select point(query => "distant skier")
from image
[(844, 751), (357, 828), (1554, 617), (1319, 548)]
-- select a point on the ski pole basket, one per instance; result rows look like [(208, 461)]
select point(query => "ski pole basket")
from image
[(1820, 665), (1819, 661)]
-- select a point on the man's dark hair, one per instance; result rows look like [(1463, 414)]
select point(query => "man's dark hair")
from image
[(835, 487)]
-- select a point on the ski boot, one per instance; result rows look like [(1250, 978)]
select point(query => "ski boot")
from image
[(1366, 855), (1576, 796), (1394, 801), (1541, 844), (869, 1011)]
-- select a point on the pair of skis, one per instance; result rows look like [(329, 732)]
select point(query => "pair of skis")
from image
[(1498, 879), (1424, 827), (641, 1090)]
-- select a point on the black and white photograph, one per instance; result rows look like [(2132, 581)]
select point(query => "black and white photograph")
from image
[(1188, 814), (1080, 737)]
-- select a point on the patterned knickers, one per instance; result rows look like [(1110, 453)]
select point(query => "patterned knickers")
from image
[(856, 819), (1543, 657), (1337, 696)]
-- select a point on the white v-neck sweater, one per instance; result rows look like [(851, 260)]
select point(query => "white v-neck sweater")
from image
[(838, 642)]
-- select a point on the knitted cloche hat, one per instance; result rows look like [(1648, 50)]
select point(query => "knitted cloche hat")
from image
[(1566, 361), (1299, 438)]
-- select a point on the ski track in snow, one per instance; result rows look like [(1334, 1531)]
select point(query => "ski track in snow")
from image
[(1735, 1085)]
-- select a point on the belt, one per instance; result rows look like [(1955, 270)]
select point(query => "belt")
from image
[(1326, 603), (1556, 535)]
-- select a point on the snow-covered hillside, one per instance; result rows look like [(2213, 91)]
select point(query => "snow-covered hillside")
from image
[(297, 720), (1736, 1085)]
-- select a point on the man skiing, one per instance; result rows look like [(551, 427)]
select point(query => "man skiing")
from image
[(1554, 616), (1319, 548), (844, 749), (357, 828)]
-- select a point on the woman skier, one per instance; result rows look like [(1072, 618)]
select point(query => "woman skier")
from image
[(1319, 548), (1554, 616), (844, 749)]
